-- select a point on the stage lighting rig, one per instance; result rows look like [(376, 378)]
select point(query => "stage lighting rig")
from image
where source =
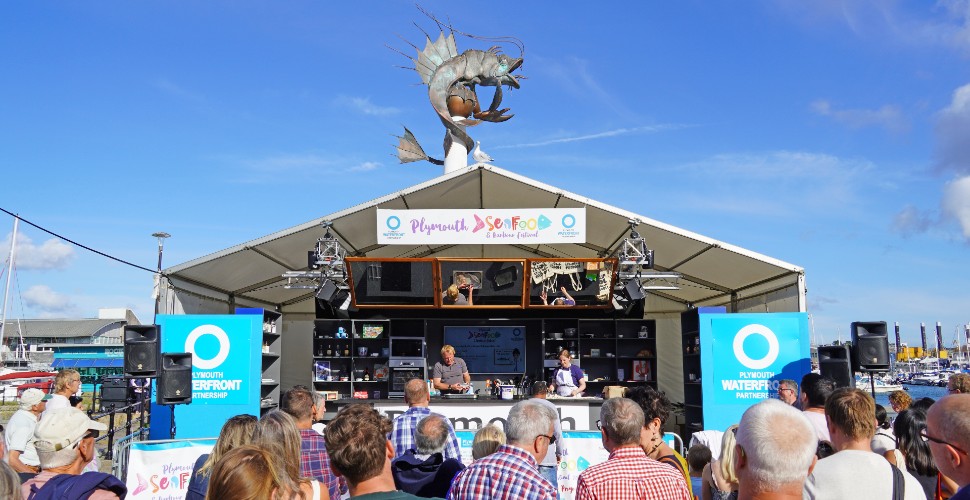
[(635, 258), (325, 263)]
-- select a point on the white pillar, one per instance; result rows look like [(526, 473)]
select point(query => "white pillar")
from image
[(456, 158)]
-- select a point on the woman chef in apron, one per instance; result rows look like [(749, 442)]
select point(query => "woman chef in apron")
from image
[(569, 378)]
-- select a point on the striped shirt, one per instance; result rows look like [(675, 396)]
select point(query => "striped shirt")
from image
[(402, 434), (630, 474), (508, 474)]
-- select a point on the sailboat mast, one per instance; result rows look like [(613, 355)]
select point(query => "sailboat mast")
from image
[(6, 291)]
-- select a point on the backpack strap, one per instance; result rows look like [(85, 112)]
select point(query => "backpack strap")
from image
[(899, 484)]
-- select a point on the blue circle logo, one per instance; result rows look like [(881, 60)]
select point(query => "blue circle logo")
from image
[(568, 221), (393, 223)]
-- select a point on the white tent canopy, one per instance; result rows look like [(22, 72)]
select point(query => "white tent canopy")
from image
[(713, 272)]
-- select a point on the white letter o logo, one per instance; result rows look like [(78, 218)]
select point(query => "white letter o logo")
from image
[(220, 335), (764, 331)]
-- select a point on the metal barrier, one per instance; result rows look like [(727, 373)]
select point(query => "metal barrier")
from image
[(675, 441), (143, 418)]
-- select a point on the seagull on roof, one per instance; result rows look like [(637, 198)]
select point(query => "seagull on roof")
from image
[(479, 155)]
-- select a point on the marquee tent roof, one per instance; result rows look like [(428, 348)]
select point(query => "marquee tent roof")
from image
[(712, 272)]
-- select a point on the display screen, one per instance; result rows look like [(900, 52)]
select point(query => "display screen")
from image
[(489, 349)]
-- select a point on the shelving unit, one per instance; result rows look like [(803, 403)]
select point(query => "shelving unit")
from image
[(691, 349), (602, 349), (610, 352), (271, 347), (346, 366)]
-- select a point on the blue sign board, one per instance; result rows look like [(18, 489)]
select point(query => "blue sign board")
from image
[(226, 370), (745, 356)]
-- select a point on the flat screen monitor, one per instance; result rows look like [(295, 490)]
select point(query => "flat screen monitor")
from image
[(489, 349)]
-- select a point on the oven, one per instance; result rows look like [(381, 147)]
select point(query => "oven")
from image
[(407, 361), (404, 369)]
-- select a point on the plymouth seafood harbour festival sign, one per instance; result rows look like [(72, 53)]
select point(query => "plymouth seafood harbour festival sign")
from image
[(481, 226)]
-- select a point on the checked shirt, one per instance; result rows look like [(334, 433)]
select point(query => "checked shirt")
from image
[(629, 474), (402, 435), (508, 474), (315, 463)]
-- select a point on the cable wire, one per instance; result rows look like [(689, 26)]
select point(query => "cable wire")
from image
[(153, 271)]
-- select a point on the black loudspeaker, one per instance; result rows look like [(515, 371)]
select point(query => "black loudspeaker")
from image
[(870, 346), (114, 393), (141, 350), (833, 362), (175, 379), (327, 290), (633, 291)]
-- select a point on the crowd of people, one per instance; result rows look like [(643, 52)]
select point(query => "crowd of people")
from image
[(778, 450)]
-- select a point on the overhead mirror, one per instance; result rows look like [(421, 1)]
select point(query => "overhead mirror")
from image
[(481, 282), (571, 283)]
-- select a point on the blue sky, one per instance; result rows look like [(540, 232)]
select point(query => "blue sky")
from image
[(832, 135)]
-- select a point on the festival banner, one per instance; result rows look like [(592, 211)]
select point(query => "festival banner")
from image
[(483, 226), (745, 356), (161, 470), (573, 415)]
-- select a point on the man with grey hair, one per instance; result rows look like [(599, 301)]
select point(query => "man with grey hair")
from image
[(788, 391), (549, 465), (424, 471), (20, 453), (510, 473), (948, 434), (628, 473), (64, 439), (418, 398), (772, 463)]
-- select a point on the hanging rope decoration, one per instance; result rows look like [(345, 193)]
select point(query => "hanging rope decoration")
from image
[(547, 273)]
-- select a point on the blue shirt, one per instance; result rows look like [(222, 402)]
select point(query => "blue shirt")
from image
[(402, 435)]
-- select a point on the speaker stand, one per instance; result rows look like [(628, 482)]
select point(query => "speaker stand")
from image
[(173, 422)]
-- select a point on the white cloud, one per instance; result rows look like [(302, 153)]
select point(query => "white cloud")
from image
[(952, 131), (367, 166), (911, 220), (778, 183), (42, 298), (947, 23), (363, 105), (887, 116), (645, 129), (51, 254), (956, 28), (956, 203)]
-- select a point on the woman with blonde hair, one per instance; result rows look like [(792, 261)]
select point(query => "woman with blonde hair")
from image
[(276, 433), (719, 475), (487, 440), (244, 473), (66, 384), (237, 431)]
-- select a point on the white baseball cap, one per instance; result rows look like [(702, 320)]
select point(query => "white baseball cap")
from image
[(32, 396), (62, 428)]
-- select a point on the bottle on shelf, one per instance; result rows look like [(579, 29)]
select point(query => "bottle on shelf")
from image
[(347, 350), (366, 374), (329, 350)]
